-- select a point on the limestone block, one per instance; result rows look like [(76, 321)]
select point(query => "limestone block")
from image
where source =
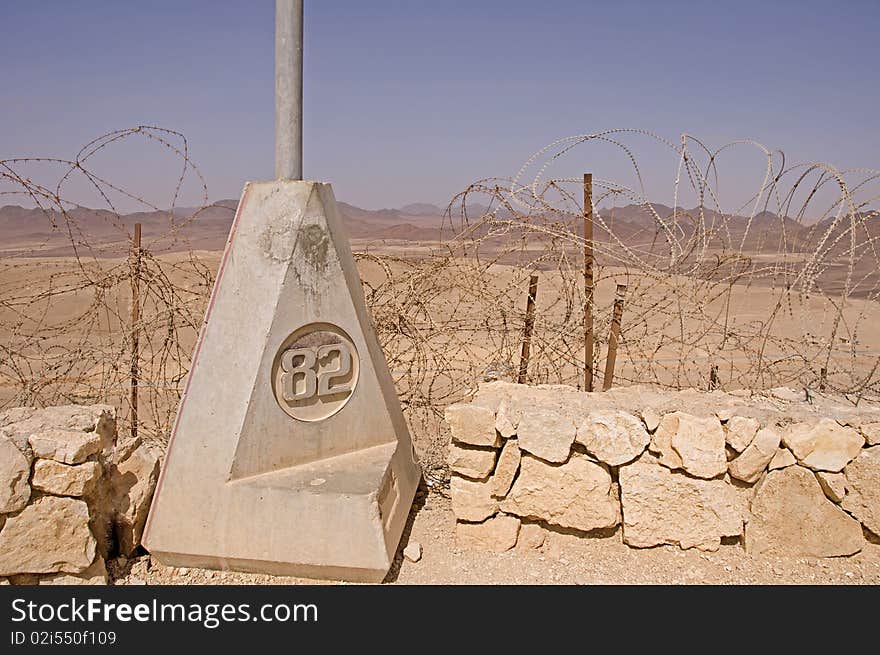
[(871, 431), (823, 446), (693, 443), (545, 433), (651, 418), (750, 464), (413, 551), (781, 460), (507, 418), (506, 469), (65, 446), (472, 424), (48, 536), (664, 507), (531, 535), (472, 500), (491, 394), (21, 422), (661, 441), (863, 488), (699, 442), (498, 533), (133, 473), (613, 437), (791, 517), (577, 494), (15, 491), (834, 485), (471, 462), (739, 432), (59, 479)]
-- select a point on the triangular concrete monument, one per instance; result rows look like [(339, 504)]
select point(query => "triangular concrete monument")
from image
[(290, 454)]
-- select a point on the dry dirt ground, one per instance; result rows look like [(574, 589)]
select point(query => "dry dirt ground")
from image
[(563, 559)]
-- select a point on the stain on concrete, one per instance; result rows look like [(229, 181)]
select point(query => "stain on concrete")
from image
[(314, 243), (312, 256), (277, 242)]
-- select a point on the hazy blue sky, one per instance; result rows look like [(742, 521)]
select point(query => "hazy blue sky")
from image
[(410, 101)]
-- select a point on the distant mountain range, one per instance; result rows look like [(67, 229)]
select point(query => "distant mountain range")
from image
[(32, 231), (26, 231)]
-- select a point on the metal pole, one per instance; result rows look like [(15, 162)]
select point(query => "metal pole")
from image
[(527, 330), (135, 328), (588, 281), (614, 337), (288, 89)]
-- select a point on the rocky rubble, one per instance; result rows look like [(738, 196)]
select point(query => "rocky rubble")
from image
[(779, 473), (71, 494)]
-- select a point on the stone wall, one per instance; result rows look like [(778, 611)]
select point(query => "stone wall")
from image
[(779, 473), (71, 494)]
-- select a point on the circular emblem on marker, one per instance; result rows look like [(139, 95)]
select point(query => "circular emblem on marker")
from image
[(315, 372)]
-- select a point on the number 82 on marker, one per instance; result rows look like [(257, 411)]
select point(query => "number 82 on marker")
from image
[(304, 373)]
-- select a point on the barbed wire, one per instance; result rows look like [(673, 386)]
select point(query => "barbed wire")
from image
[(780, 289), (65, 312)]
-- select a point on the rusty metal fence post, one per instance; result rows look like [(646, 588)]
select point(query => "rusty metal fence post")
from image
[(588, 282), (614, 337), (527, 330), (135, 320), (714, 381)]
